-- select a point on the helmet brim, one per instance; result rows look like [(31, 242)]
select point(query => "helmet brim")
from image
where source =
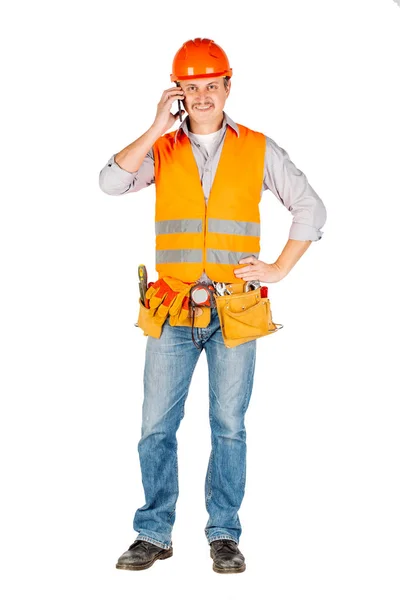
[(175, 77)]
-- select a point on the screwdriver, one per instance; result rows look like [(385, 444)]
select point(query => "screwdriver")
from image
[(142, 272)]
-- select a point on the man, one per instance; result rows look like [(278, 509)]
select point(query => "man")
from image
[(183, 166)]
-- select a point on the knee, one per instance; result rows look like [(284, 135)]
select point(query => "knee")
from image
[(159, 425), (150, 427), (229, 425)]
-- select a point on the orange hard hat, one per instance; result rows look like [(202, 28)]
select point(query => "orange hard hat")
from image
[(200, 57)]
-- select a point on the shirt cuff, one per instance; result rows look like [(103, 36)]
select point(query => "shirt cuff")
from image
[(302, 232)]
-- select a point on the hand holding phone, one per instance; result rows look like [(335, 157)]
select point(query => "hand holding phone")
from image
[(165, 119), (181, 109)]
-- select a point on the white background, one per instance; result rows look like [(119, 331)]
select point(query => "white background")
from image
[(320, 515)]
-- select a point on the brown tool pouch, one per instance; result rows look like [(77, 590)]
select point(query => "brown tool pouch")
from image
[(147, 323), (202, 318), (244, 316)]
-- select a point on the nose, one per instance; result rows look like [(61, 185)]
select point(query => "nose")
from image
[(202, 98)]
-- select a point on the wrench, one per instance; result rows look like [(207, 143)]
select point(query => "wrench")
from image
[(221, 288), (253, 284)]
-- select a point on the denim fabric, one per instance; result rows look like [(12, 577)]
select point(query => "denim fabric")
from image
[(169, 365)]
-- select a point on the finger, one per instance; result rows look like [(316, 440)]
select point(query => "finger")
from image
[(172, 89), (172, 97), (244, 270), (250, 273), (255, 277)]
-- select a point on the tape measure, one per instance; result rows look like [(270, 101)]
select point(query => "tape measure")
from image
[(202, 295)]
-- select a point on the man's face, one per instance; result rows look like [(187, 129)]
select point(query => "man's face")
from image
[(205, 98)]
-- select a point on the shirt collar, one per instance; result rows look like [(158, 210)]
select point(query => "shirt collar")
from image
[(227, 121)]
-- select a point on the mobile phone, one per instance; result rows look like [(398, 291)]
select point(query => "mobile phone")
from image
[(181, 110)]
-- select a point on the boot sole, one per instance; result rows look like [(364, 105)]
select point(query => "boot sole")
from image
[(228, 569), (128, 567)]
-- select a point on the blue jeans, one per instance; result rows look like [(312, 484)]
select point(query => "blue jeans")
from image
[(170, 362)]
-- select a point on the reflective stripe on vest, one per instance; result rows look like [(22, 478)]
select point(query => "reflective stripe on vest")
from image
[(214, 225), (194, 256), (179, 226), (192, 236)]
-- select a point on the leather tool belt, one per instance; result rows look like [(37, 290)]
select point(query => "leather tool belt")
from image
[(244, 315)]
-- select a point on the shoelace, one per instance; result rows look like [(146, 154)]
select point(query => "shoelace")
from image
[(137, 542), (230, 544), (145, 543)]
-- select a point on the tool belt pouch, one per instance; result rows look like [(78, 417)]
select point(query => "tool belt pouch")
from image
[(202, 319), (244, 316), (147, 323)]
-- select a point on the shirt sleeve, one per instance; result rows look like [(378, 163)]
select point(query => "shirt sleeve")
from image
[(292, 188), (115, 181)]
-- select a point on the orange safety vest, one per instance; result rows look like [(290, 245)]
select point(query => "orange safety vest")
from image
[(192, 236)]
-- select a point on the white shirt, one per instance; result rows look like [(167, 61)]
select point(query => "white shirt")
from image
[(207, 140)]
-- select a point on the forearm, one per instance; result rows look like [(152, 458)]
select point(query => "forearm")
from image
[(291, 253), (131, 157)]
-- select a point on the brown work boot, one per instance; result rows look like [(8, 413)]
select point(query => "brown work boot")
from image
[(227, 557), (141, 555)]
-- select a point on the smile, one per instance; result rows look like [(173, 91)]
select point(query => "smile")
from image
[(203, 108)]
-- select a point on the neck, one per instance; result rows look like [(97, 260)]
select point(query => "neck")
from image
[(204, 128)]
